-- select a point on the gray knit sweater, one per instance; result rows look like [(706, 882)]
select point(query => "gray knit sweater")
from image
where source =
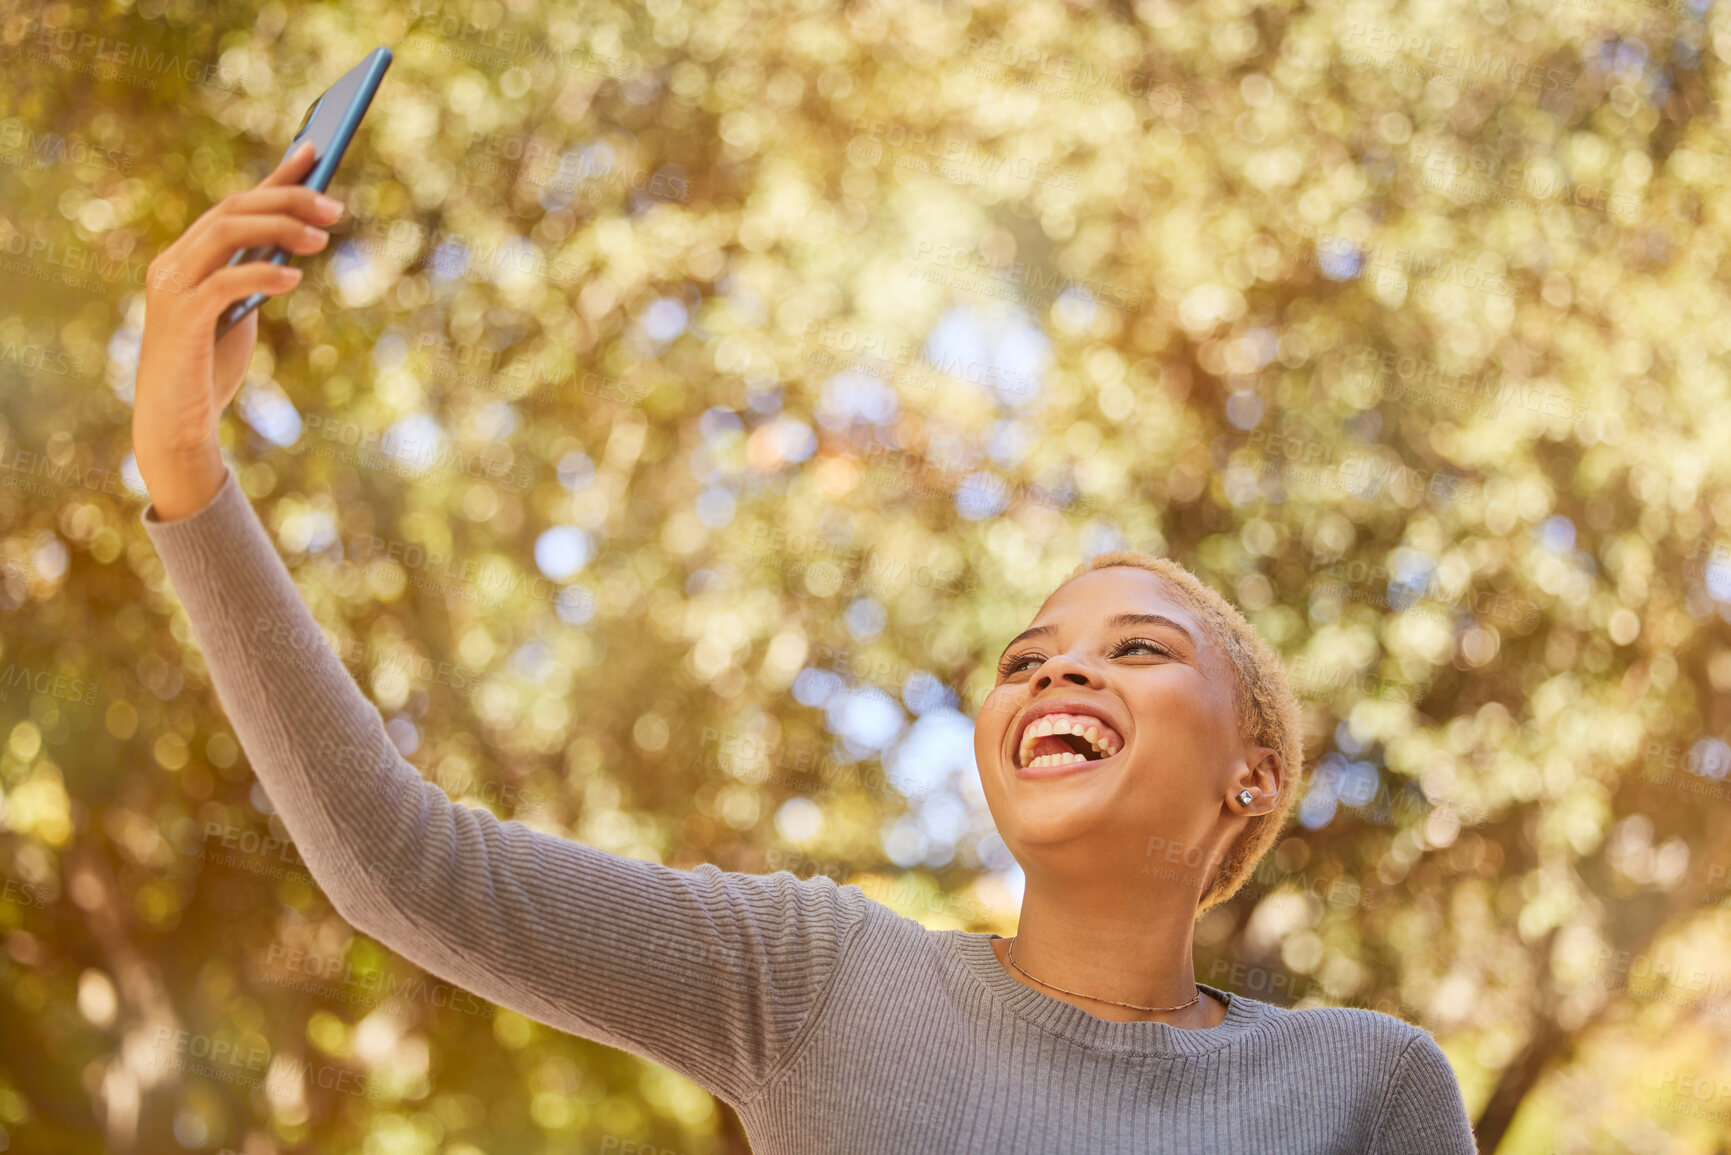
[(828, 1021)]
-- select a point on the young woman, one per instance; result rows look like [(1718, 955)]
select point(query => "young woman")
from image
[(1139, 754)]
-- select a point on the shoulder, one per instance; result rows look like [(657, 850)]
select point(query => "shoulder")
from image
[(1359, 1024), (1380, 1045), (1420, 1106), (1404, 1076)]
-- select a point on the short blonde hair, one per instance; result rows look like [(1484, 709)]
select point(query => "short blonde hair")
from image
[(1268, 713)]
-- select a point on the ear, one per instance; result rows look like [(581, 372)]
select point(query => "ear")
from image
[(1262, 774)]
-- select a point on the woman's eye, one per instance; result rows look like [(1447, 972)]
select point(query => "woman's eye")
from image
[(1022, 662)]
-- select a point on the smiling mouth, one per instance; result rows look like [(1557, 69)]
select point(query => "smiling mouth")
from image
[(1061, 739)]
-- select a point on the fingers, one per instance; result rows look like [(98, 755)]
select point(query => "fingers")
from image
[(226, 235), (294, 167), (294, 200), (221, 289), (181, 388), (297, 200), (279, 192)]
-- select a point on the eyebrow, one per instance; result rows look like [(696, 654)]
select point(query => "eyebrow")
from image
[(1116, 621)]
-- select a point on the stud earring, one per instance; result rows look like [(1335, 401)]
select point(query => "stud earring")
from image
[(1244, 798)]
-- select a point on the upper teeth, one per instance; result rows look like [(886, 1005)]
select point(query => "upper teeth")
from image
[(1079, 724)]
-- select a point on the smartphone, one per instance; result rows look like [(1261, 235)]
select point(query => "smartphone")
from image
[(330, 124)]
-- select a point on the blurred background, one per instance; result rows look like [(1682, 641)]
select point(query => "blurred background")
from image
[(695, 399)]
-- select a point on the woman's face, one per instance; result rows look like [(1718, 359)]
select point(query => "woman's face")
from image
[(1114, 653)]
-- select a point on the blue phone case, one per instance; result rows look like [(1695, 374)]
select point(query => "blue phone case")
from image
[(330, 123)]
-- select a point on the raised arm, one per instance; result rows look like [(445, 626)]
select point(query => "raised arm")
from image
[(708, 972), (713, 974)]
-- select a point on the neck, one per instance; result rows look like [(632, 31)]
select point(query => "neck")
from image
[(1112, 944)]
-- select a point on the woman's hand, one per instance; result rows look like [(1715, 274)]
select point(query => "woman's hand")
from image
[(186, 377)]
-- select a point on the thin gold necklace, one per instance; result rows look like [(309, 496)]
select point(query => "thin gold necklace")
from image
[(1097, 998)]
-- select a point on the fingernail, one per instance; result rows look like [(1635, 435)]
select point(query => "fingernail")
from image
[(328, 206), (314, 236), (290, 274)]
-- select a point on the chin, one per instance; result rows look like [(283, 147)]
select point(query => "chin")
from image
[(1047, 813), (1053, 830)]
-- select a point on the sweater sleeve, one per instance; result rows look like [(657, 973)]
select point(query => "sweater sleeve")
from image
[(713, 974), (1425, 1114)]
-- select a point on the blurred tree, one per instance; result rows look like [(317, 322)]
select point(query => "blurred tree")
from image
[(697, 397)]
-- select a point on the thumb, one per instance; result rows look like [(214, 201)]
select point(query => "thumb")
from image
[(233, 355)]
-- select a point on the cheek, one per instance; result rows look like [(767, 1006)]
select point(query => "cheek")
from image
[(1183, 718), (994, 719)]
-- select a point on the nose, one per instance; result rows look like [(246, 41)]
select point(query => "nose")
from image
[(1063, 668)]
